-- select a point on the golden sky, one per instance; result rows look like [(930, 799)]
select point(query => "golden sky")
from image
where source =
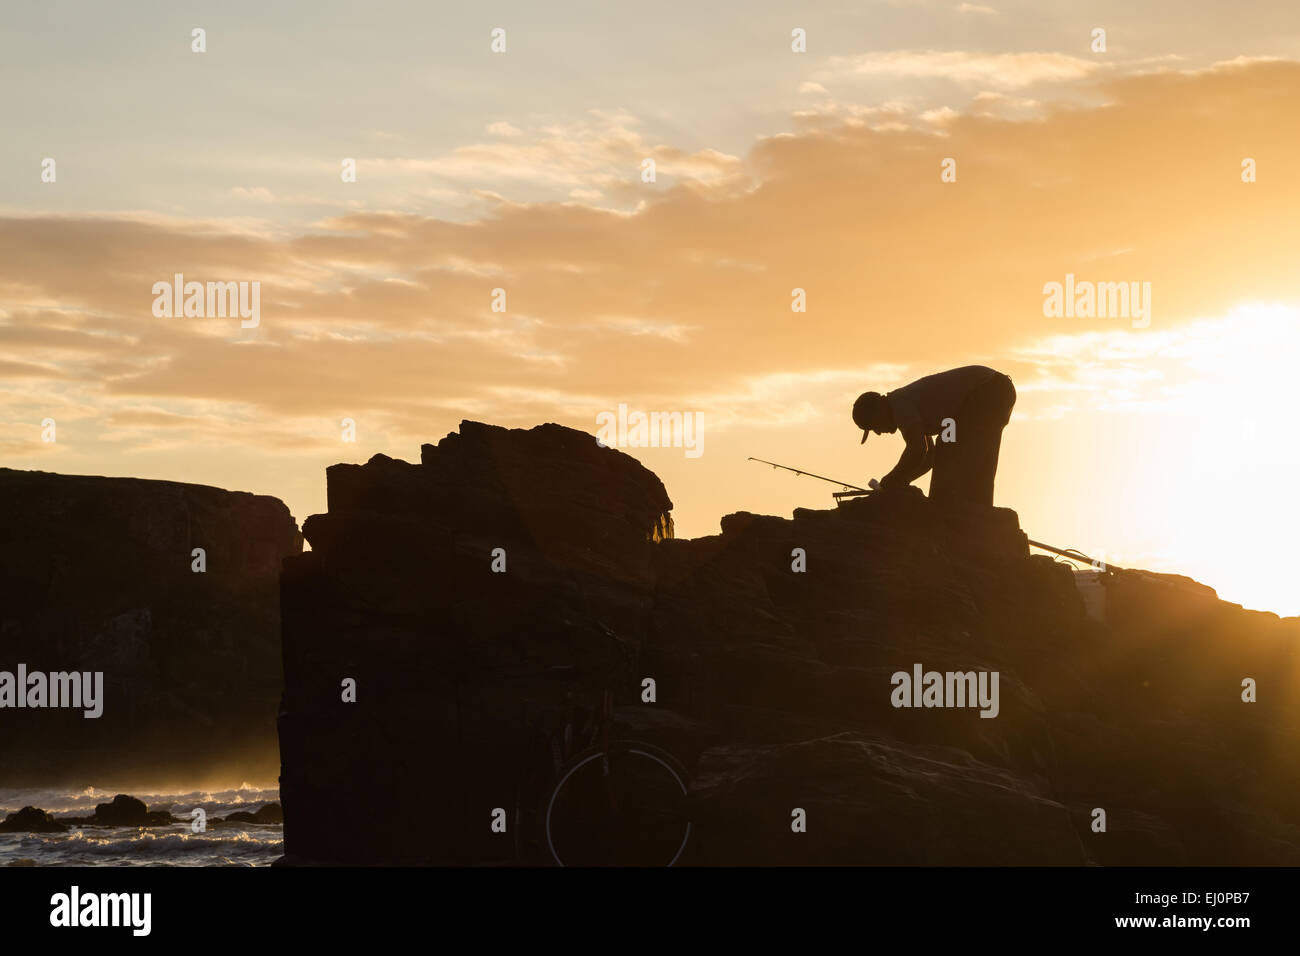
[(1168, 446)]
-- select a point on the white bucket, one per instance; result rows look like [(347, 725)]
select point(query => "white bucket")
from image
[(1092, 588)]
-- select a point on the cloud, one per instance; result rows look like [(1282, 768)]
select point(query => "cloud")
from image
[(940, 116), (259, 193), (387, 315), (600, 154), (1001, 71)]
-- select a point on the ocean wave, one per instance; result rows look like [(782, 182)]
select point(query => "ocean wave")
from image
[(176, 846), (147, 841), (236, 844), (64, 803)]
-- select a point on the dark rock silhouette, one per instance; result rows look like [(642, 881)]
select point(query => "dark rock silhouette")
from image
[(97, 577), (268, 814), (31, 820), (774, 686), (123, 811), (127, 811)]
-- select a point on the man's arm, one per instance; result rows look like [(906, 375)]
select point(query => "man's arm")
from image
[(916, 460)]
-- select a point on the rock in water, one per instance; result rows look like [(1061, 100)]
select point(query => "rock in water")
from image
[(97, 576), (269, 814), (123, 811), (426, 693), (31, 820)]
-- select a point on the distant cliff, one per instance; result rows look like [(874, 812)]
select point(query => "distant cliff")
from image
[(97, 577), (773, 647)]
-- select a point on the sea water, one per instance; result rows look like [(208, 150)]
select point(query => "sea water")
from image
[(222, 844)]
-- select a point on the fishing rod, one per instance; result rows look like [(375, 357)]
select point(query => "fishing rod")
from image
[(1070, 554), (850, 490), (1116, 571)]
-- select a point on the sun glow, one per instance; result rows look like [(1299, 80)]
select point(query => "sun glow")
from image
[(1205, 461), (1233, 508)]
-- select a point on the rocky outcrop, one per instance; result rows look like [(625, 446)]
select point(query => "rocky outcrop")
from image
[(31, 820), (398, 595), (127, 811), (431, 700), (98, 577), (263, 816)]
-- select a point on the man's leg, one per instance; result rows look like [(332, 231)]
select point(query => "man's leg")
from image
[(972, 460), (990, 411), (964, 470), (984, 464), (945, 482)]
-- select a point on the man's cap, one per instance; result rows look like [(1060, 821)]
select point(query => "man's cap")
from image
[(864, 411)]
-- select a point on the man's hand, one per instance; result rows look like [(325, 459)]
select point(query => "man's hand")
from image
[(916, 460)]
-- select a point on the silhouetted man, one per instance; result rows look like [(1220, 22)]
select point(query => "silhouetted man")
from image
[(967, 408)]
